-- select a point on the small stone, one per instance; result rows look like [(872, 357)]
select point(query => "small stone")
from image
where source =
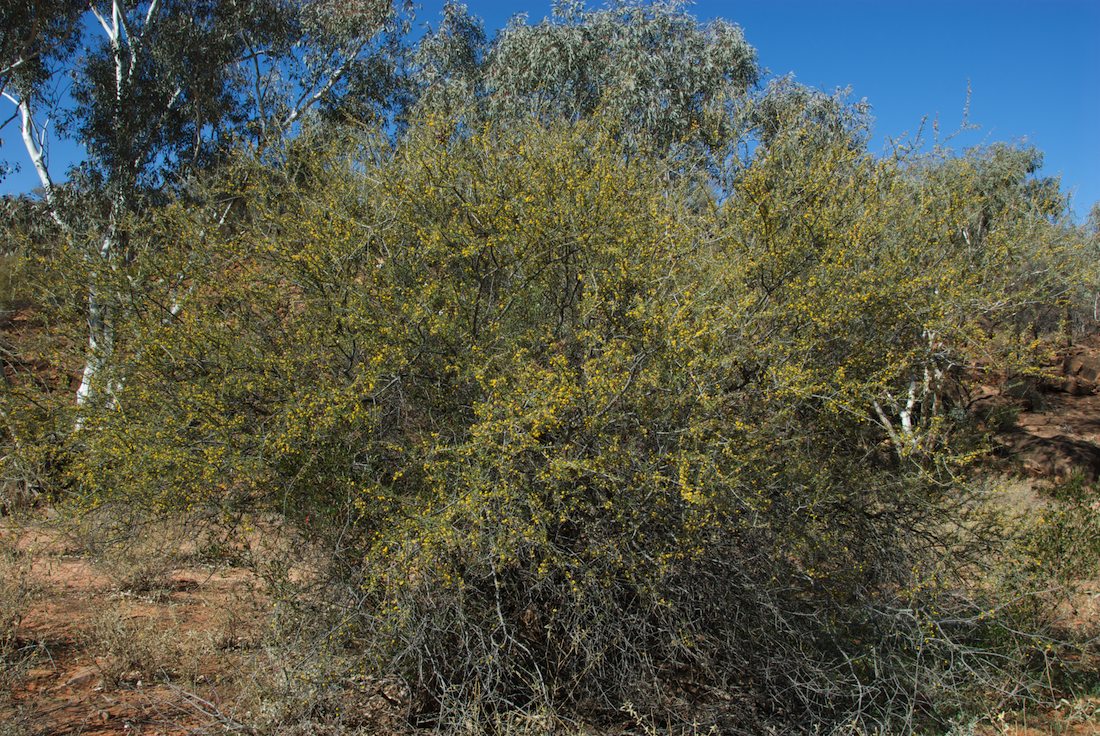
[(82, 676)]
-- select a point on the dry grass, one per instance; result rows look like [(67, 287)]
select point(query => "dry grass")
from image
[(16, 655), (131, 650), (272, 660)]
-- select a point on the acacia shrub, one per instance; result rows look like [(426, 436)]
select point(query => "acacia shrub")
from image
[(35, 380), (648, 477), (879, 283), (583, 438)]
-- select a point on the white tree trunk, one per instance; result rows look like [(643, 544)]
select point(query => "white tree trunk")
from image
[(100, 348), (100, 320)]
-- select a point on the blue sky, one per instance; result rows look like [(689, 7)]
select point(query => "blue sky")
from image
[(1033, 67)]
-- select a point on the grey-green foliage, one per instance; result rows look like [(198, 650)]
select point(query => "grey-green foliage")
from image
[(185, 78), (33, 34), (448, 61), (785, 104), (662, 74)]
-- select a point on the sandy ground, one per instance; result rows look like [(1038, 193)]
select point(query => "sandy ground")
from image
[(99, 660)]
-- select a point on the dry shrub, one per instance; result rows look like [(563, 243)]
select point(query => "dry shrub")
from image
[(16, 655), (139, 551), (131, 649), (17, 724), (322, 692), (14, 593), (17, 497), (1057, 551), (141, 554)]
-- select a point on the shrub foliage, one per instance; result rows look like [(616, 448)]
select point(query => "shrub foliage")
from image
[(587, 433)]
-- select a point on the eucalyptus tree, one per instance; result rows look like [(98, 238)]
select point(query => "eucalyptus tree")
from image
[(449, 61), (164, 87), (819, 117), (33, 35), (665, 77)]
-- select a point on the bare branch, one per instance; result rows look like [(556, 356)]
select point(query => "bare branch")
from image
[(102, 20), (150, 14), (16, 64), (33, 142), (306, 100)]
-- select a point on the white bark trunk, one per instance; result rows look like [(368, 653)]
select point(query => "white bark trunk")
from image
[(886, 424), (906, 414), (34, 142), (101, 328), (101, 336), (98, 340)]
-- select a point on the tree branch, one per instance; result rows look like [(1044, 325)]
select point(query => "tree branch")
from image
[(119, 10), (101, 19), (16, 64), (306, 100), (35, 150), (150, 13)]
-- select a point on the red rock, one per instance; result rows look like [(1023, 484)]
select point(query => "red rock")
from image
[(83, 676)]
